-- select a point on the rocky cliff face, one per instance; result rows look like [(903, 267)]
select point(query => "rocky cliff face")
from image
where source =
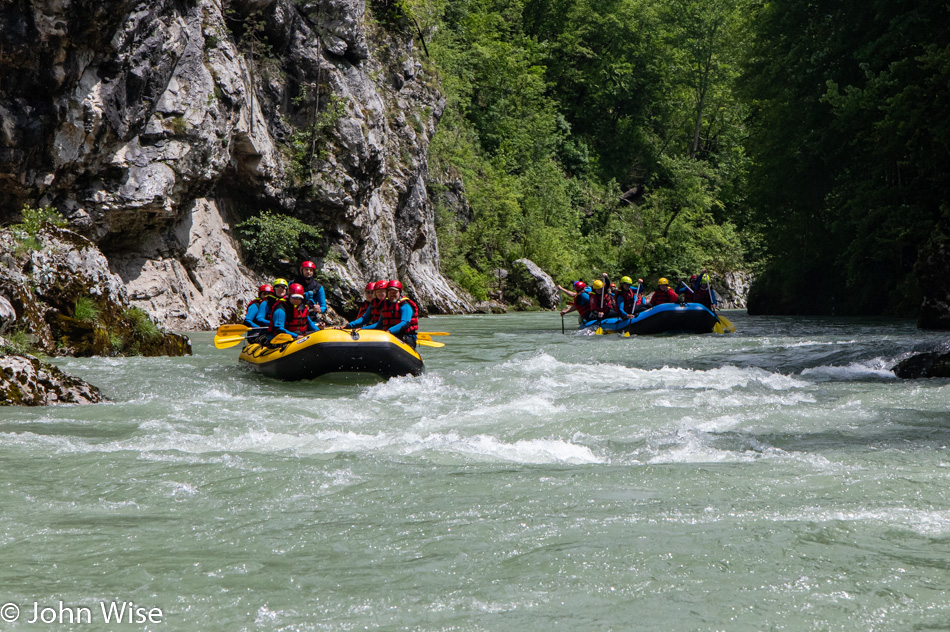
[(155, 126)]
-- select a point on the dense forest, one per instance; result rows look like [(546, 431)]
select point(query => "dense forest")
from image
[(804, 141)]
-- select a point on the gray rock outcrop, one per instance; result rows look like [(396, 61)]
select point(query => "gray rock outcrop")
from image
[(26, 381), (732, 289), (7, 315), (155, 126), (527, 279), (67, 298)]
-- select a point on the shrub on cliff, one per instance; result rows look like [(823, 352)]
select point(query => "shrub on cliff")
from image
[(33, 220), (271, 240)]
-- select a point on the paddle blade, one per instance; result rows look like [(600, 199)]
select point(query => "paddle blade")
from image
[(422, 342), (599, 332), (433, 333), (225, 342), (626, 334), (727, 325), (231, 330)]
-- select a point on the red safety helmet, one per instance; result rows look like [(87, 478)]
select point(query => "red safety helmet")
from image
[(579, 285), (394, 284), (267, 287), (308, 264), (296, 290), (381, 285), (370, 286)]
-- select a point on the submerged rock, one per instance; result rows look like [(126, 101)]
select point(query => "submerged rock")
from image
[(923, 365), (27, 381)]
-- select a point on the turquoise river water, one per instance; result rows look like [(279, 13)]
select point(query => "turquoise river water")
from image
[(780, 478)]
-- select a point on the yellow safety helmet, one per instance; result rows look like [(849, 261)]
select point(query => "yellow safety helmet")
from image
[(663, 281), (626, 280), (598, 284), (704, 279), (280, 282)]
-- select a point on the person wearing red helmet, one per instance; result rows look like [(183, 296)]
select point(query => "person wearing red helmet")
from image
[(581, 303), (291, 317), (399, 316), (314, 296), (372, 306), (369, 294), (253, 307)]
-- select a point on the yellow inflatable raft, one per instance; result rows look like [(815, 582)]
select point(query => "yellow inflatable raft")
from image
[(334, 350)]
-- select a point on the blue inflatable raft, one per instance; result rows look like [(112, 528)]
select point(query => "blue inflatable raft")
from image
[(691, 318)]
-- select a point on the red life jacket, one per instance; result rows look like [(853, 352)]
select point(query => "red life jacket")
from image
[(627, 297), (661, 296), (702, 297), (390, 315), (363, 308), (601, 304), (375, 307), (295, 319), (583, 308)]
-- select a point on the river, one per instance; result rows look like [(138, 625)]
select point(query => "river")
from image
[(779, 478)]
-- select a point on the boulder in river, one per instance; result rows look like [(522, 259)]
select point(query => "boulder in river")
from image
[(527, 279), (921, 365), (27, 381)]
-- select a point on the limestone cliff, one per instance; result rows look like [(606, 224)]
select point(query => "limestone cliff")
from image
[(155, 126)]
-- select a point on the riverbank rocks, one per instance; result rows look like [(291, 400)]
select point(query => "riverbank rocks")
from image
[(923, 365), (66, 298), (527, 280), (26, 381), (932, 267)]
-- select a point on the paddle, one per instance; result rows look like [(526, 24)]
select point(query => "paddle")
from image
[(230, 330), (225, 342), (422, 342), (723, 325), (560, 307), (230, 335), (433, 333)]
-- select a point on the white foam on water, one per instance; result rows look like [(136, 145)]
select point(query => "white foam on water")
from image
[(602, 376), (923, 522), (855, 371), (478, 447)]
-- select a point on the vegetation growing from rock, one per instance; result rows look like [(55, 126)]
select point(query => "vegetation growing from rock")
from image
[(271, 241), (32, 221)]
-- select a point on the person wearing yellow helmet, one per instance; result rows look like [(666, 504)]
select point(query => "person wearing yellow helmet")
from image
[(629, 297), (601, 300), (703, 292), (663, 293), (266, 309)]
